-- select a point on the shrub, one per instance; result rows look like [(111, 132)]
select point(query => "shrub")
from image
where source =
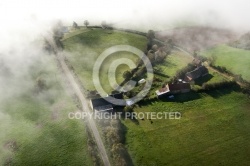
[(140, 72), (127, 75), (218, 85)]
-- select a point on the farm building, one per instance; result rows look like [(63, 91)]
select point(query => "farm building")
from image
[(182, 87), (107, 103), (197, 73), (101, 105), (169, 89)]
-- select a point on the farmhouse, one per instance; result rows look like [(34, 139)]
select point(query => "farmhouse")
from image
[(175, 88), (182, 87), (196, 73)]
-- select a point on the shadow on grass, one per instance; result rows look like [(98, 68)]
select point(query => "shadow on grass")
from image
[(123, 116), (169, 64), (184, 97), (133, 119), (161, 74), (147, 102), (217, 93), (180, 98), (123, 134), (204, 79)]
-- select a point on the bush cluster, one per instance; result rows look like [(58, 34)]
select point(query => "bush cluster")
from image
[(217, 85)]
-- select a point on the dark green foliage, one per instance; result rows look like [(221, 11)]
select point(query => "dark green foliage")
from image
[(151, 34), (221, 69), (127, 75), (75, 25), (224, 84), (140, 72), (86, 23), (40, 84)]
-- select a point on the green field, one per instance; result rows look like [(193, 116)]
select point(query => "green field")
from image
[(234, 59), (214, 130), (35, 128), (84, 49), (174, 62), (213, 126)]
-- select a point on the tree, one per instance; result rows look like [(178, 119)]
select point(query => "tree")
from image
[(86, 23), (47, 46), (128, 109), (40, 84), (195, 54), (57, 35), (127, 75), (149, 44), (140, 71), (75, 25), (151, 34), (160, 55), (151, 56), (212, 59), (104, 24), (154, 47)]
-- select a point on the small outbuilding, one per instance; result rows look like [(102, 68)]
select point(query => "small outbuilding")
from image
[(196, 73)]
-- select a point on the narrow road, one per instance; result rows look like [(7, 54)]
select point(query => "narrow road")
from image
[(211, 68), (85, 107)]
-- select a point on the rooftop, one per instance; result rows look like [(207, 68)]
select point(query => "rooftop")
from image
[(179, 86), (198, 72)]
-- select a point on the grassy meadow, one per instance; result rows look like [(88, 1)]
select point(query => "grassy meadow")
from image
[(84, 49), (35, 128), (234, 59), (213, 130), (214, 125)]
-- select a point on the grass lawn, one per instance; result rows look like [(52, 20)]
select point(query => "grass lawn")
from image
[(174, 62), (234, 59), (84, 49), (35, 128), (213, 130)]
